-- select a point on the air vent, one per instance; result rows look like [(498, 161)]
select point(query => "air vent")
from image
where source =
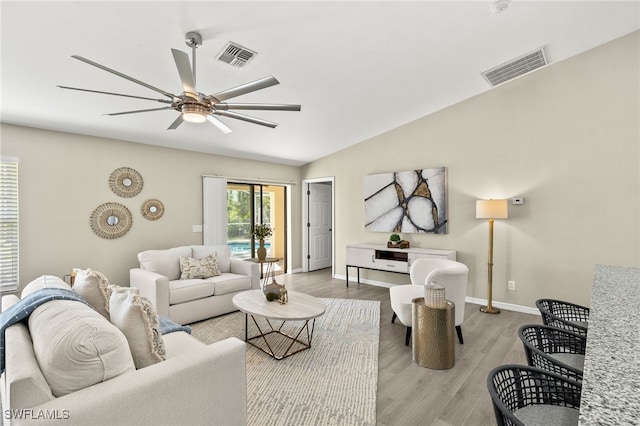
[(236, 55), (516, 67)]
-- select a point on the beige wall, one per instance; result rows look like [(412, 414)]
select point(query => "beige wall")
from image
[(565, 137), (63, 177)]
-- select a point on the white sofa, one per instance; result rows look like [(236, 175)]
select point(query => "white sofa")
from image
[(189, 300), (195, 384)]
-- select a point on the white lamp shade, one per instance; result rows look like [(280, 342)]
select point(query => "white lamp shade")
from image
[(492, 209)]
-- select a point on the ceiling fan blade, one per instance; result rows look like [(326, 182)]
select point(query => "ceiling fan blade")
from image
[(219, 124), (176, 123), (140, 110), (184, 69), (247, 118), (115, 94), (257, 107), (119, 74), (263, 83)]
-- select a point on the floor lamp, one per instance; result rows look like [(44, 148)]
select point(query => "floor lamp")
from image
[(491, 209)]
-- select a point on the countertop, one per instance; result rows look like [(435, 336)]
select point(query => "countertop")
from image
[(611, 386)]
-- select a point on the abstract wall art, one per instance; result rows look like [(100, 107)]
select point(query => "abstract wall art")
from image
[(413, 201)]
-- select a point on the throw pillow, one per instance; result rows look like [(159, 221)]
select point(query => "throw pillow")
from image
[(136, 317), (191, 268), (222, 253), (76, 347), (92, 286)]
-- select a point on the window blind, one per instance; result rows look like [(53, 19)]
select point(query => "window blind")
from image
[(8, 225)]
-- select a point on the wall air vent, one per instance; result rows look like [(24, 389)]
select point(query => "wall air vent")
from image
[(515, 68), (236, 55)]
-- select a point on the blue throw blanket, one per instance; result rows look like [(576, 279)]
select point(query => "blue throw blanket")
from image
[(22, 309)]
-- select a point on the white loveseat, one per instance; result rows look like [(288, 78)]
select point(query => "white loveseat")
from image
[(189, 300), (195, 384)]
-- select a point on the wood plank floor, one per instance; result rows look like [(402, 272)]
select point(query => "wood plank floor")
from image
[(412, 395)]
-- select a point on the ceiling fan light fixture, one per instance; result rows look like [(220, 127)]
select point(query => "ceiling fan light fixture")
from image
[(194, 113)]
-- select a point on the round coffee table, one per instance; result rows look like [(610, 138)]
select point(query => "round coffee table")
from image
[(275, 341)]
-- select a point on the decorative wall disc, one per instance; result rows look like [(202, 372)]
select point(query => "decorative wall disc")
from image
[(125, 182), (110, 220), (152, 209)]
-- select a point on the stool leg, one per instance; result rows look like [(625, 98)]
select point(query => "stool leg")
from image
[(393, 318), (407, 337), (459, 331)]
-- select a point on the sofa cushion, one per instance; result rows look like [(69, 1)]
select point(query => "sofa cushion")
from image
[(181, 291), (206, 267), (136, 317), (230, 283), (222, 253), (77, 347), (164, 262), (92, 286), (45, 281)]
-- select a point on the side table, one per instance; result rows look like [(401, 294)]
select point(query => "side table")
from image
[(270, 272), (432, 335)]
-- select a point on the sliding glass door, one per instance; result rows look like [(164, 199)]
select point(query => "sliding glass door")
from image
[(249, 204)]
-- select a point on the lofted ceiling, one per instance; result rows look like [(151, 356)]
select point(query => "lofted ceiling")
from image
[(358, 68)]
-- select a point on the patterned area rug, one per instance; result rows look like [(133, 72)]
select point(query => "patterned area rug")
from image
[(332, 383)]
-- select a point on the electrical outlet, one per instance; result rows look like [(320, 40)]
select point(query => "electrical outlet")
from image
[(511, 285), (197, 228)]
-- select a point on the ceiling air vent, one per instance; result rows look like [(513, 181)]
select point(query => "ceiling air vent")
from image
[(236, 55), (516, 67)]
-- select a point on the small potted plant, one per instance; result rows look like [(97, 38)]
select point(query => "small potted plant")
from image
[(261, 231), (394, 240)]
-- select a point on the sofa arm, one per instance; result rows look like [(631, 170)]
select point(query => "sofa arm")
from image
[(153, 286), (252, 269), (205, 386)]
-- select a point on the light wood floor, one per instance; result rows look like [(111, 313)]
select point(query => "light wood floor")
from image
[(412, 395)]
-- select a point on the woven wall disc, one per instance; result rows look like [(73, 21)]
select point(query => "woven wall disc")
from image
[(110, 220), (125, 182), (152, 209)]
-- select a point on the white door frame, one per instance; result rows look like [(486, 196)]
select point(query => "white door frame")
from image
[(305, 220)]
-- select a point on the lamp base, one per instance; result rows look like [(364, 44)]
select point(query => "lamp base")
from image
[(489, 310)]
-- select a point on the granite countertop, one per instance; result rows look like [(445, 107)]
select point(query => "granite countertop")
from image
[(611, 386)]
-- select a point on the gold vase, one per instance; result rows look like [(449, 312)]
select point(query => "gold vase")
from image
[(262, 251)]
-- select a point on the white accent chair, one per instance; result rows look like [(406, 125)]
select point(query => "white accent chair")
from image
[(450, 274)]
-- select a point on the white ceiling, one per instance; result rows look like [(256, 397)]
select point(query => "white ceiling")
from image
[(358, 68)]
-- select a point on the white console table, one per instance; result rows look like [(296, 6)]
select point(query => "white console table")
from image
[(381, 258)]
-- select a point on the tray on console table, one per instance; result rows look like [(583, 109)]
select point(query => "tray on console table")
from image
[(383, 258)]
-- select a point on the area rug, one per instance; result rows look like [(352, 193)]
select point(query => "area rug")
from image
[(332, 383)]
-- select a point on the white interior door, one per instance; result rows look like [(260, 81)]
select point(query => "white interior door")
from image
[(319, 226)]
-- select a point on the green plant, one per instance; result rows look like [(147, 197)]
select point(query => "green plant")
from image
[(394, 238), (261, 231)]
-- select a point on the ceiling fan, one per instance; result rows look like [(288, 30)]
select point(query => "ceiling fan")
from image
[(192, 105)]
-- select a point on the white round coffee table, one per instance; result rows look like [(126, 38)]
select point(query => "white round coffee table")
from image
[(300, 307)]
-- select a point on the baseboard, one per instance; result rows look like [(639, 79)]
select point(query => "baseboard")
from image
[(474, 300), (505, 306)]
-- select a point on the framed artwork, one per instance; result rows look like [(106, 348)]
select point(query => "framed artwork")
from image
[(413, 201)]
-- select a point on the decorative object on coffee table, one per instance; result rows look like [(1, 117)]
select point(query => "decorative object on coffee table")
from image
[(152, 209), (269, 286), (261, 231), (110, 220), (125, 182)]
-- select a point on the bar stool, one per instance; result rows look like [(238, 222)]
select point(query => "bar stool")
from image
[(554, 349), (561, 314)]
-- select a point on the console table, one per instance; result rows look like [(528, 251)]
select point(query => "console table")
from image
[(382, 258)]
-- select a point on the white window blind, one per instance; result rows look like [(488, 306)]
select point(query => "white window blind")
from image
[(214, 203), (8, 225)]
